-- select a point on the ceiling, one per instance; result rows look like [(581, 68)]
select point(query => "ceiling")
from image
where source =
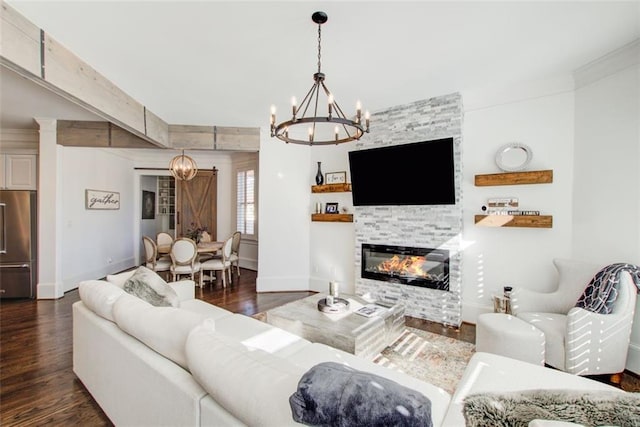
[(225, 63)]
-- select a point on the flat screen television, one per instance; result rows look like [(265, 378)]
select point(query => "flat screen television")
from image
[(420, 173)]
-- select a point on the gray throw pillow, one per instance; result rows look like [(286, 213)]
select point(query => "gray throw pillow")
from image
[(331, 394), (147, 285)]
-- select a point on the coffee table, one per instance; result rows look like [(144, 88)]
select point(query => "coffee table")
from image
[(356, 334)]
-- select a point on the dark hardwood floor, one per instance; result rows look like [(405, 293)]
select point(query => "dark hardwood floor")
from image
[(37, 384)]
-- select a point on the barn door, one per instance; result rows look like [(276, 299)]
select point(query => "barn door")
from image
[(196, 203)]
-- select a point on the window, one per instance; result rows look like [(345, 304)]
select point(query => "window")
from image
[(245, 202)]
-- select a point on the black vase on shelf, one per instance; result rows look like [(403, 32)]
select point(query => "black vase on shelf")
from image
[(319, 176)]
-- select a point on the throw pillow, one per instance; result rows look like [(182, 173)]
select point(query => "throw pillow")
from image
[(594, 408), (120, 278), (99, 296), (147, 285), (334, 394)]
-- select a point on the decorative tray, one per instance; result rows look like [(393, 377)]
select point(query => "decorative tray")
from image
[(340, 305)]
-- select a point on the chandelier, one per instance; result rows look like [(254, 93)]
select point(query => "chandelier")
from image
[(335, 128), (183, 168)]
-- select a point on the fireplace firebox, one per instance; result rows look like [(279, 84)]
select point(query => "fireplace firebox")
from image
[(423, 267)]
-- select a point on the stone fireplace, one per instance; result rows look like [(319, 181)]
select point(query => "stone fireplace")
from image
[(437, 228)]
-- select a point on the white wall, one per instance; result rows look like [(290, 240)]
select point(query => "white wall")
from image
[(331, 243), (95, 242), (606, 217), (284, 222), (521, 257)]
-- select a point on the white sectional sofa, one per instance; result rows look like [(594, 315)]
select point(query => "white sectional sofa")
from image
[(200, 365)]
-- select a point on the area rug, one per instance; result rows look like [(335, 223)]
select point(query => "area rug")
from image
[(426, 356), (429, 357)]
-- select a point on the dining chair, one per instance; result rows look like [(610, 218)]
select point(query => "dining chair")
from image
[(205, 237), (222, 264), (184, 258), (152, 261), (235, 251), (164, 239)]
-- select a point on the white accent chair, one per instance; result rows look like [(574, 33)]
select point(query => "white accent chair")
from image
[(235, 250), (184, 259), (152, 261), (579, 341), (220, 264)]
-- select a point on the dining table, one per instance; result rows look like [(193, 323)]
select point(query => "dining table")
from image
[(203, 247)]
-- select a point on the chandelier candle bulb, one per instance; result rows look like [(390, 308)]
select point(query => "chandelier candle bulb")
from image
[(293, 106), (337, 131), (273, 115), (367, 116), (330, 101)]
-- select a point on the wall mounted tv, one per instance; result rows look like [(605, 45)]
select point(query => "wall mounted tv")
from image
[(420, 173)]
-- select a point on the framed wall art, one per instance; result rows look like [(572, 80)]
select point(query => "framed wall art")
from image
[(101, 200), (335, 178), (148, 204)]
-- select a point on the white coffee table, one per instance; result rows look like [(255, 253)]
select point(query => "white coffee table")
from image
[(356, 334)]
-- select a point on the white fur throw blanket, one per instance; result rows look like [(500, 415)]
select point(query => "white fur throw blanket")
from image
[(597, 408)]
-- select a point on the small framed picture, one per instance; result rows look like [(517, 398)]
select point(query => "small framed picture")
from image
[(331, 208), (335, 177)]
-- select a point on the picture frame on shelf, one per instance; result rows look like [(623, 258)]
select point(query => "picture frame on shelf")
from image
[(331, 208), (335, 177)]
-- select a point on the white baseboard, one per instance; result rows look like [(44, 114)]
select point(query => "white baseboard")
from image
[(49, 291), (633, 358), (71, 283)]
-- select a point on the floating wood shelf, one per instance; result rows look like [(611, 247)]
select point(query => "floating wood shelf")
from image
[(515, 178), (531, 221), (331, 188), (332, 217)]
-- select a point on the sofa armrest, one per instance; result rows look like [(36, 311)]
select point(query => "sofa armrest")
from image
[(185, 289)]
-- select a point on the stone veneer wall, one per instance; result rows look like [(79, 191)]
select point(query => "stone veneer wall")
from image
[(421, 226)]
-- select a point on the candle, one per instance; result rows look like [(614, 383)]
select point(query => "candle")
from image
[(310, 134), (336, 130), (273, 115), (293, 106), (358, 111), (330, 103), (366, 119), (333, 289)]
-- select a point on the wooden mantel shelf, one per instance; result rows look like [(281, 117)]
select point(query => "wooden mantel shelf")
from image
[(515, 178), (332, 217), (331, 188), (531, 221)]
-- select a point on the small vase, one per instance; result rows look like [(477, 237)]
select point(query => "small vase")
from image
[(319, 177)]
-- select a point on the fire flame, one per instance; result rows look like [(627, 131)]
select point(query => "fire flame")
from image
[(409, 265)]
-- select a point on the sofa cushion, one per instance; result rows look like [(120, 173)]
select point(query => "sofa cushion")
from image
[(100, 296), (164, 329), (251, 384), (334, 394), (522, 407), (149, 286), (120, 278)]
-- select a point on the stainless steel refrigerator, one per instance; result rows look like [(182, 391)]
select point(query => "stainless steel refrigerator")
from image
[(18, 244)]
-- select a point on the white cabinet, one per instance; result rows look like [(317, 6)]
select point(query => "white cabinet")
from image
[(19, 171)]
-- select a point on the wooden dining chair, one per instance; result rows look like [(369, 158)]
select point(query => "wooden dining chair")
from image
[(164, 239), (235, 251), (222, 264), (184, 259), (152, 261)]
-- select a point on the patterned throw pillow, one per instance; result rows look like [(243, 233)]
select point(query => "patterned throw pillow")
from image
[(148, 286)]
